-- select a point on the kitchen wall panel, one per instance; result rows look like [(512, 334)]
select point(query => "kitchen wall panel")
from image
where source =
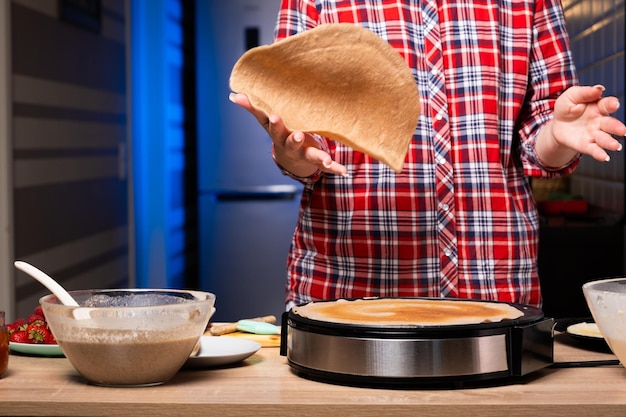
[(570, 246), (597, 38), (69, 133)]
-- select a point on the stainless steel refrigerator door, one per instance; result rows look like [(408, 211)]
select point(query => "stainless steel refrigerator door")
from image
[(246, 221), (245, 238), (233, 148)]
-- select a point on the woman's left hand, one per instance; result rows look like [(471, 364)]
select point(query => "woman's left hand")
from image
[(582, 123)]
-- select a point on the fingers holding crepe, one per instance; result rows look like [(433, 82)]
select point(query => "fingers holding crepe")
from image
[(301, 150), (297, 150), (341, 81)]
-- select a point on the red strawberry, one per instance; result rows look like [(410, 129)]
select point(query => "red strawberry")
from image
[(35, 318), (12, 328), (20, 337), (20, 323), (37, 333), (39, 311), (50, 340)]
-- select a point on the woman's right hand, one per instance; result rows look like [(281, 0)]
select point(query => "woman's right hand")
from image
[(295, 151)]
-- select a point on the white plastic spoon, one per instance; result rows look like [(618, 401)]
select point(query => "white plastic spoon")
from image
[(55, 288), (48, 282)]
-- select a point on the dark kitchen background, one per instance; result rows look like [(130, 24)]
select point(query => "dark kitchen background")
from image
[(122, 162)]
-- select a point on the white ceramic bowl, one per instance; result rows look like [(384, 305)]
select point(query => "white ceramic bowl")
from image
[(129, 337), (607, 302)]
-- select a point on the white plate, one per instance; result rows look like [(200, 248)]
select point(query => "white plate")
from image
[(36, 349), (222, 350)]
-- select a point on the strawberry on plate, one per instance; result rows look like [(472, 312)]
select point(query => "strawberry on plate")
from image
[(36, 319), (20, 324), (35, 326), (20, 337), (32, 336), (11, 328), (38, 332)]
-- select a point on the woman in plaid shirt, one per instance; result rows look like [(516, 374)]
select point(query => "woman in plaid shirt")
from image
[(499, 103)]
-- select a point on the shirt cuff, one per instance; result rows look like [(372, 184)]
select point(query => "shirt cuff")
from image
[(305, 180), (549, 171), (311, 178)]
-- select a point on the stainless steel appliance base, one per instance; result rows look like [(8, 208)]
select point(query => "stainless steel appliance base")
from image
[(412, 356)]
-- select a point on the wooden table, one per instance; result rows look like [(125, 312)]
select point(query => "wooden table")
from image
[(264, 385)]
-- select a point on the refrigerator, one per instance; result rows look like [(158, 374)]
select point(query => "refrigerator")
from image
[(247, 208)]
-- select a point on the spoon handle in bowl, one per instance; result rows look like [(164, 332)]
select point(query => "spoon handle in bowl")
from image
[(47, 281)]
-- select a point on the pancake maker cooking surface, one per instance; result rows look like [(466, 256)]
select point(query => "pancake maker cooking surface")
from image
[(367, 355)]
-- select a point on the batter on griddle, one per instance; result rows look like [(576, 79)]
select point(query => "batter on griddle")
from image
[(408, 312)]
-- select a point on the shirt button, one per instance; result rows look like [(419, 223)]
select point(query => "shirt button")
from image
[(441, 160), (445, 207), (447, 252), (439, 116)]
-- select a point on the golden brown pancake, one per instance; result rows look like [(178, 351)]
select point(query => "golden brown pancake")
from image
[(339, 80), (408, 312)]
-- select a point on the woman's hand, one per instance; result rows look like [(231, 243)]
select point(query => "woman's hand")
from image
[(297, 152), (581, 124)]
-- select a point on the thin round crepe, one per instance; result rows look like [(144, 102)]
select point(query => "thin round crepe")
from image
[(585, 329), (408, 312), (339, 80)]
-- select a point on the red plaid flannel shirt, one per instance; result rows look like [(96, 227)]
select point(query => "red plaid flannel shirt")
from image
[(460, 219)]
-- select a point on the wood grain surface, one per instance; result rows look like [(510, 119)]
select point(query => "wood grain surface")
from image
[(265, 385)]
